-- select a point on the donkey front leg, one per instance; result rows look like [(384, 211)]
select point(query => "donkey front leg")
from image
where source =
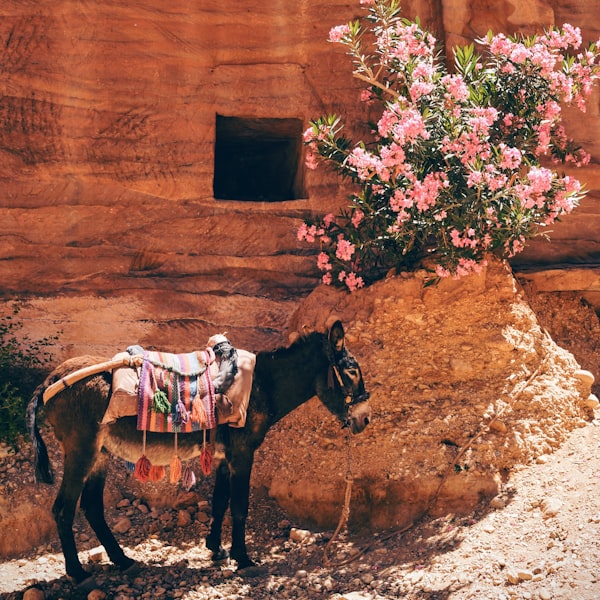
[(220, 503), (241, 468)]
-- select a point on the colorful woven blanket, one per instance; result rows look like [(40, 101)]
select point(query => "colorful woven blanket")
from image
[(176, 393)]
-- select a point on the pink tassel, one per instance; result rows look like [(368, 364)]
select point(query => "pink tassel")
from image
[(188, 479)]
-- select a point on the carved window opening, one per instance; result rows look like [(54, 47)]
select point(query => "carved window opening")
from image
[(258, 159)]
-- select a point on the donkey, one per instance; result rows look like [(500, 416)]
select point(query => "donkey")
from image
[(317, 364)]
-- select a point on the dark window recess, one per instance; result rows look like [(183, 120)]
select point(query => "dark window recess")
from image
[(258, 159)]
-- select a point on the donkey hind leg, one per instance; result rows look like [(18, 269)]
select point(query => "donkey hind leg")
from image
[(92, 504), (220, 503), (75, 473)]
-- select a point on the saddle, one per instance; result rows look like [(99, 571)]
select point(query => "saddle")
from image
[(180, 393)]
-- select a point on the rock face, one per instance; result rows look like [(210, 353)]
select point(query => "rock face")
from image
[(465, 385), (151, 169)]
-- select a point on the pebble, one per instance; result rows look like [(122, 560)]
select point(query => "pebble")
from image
[(183, 518), (299, 535), (592, 402), (550, 507), (497, 502), (97, 555), (122, 525), (34, 594)]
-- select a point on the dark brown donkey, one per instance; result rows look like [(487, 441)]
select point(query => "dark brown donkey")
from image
[(318, 364)]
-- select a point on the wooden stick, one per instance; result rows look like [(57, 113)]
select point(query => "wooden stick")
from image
[(71, 378)]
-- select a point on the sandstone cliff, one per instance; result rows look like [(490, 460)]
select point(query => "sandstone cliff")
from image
[(111, 226)]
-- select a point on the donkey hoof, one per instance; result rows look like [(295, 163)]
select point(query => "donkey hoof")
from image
[(220, 556), (86, 583), (131, 569)]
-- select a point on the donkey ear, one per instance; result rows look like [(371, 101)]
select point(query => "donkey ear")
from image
[(336, 335)]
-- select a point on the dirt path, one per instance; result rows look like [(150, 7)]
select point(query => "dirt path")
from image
[(538, 540)]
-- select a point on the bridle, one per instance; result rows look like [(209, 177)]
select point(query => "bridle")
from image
[(351, 396)]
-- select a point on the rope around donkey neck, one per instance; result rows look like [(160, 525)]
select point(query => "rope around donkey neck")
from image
[(517, 391)]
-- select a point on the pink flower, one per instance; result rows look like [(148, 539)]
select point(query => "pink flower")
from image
[(511, 157), (337, 34), (403, 125), (308, 135), (366, 95), (474, 178), (367, 165), (309, 232), (357, 217), (399, 201), (515, 246), (393, 157), (572, 185), (354, 281), (500, 44), (345, 249), (424, 193), (326, 279), (441, 271), (420, 88), (456, 87), (323, 262), (310, 160), (540, 179), (328, 219)]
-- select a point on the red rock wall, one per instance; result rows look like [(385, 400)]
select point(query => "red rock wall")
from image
[(109, 228)]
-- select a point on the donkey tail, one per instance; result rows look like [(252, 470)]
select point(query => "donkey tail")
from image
[(43, 469)]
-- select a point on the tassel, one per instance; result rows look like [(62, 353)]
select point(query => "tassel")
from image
[(188, 479), (160, 403), (156, 473), (206, 458), (142, 469), (199, 412), (175, 466), (175, 469), (181, 414)]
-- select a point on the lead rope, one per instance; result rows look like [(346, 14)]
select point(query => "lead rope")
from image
[(345, 510)]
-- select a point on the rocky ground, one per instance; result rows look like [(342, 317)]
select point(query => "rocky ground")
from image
[(537, 540)]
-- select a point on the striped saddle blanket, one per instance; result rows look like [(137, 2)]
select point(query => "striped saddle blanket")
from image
[(176, 392)]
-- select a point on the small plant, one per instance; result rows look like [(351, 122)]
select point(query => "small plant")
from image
[(20, 372), (453, 169)]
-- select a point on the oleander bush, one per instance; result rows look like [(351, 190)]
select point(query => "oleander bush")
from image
[(460, 163)]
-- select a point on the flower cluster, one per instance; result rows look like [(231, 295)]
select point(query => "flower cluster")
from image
[(454, 170)]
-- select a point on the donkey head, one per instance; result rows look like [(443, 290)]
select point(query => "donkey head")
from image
[(345, 393)]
